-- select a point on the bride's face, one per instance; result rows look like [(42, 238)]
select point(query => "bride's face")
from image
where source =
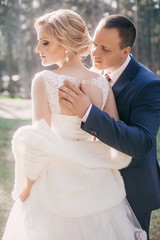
[(51, 52)]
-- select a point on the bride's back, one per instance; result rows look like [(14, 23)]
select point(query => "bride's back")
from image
[(95, 86)]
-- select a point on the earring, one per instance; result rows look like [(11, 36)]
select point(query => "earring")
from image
[(66, 58)]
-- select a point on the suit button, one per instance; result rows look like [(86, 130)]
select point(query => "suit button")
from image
[(92, 132), (95, 134), (89, 130)]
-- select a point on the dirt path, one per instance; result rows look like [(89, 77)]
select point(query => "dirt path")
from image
[(15, 108)]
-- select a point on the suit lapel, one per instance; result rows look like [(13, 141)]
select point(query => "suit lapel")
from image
[(127, 75)]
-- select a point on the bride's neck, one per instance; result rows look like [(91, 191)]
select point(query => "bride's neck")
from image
[(74, 63)]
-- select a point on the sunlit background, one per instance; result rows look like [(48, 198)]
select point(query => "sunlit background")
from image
[(18, 60), (19, 63)]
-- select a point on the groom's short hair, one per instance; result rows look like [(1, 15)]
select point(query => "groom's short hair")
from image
[(125, 26)]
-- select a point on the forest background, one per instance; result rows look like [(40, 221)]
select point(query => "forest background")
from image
[(19, 63), (18, 60)]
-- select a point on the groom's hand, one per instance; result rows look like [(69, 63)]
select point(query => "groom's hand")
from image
[(76, 99)]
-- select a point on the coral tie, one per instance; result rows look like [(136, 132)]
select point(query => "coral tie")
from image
[(108, 77)]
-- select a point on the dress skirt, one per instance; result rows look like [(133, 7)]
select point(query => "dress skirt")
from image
[(28, 222), (78, 193)]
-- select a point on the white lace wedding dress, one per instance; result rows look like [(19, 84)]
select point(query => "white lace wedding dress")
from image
[(78, 193)]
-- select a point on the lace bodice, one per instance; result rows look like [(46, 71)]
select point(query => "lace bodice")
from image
[(64, 125)]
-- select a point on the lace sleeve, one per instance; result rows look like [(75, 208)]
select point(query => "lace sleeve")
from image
[(100, 82), (52, 83)]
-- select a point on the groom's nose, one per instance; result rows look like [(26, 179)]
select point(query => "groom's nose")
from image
[(96, 51)]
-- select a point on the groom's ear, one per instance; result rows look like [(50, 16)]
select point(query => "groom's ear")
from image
[(126, 50)]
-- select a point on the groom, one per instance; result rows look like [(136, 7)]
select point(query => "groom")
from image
[(137, 94)]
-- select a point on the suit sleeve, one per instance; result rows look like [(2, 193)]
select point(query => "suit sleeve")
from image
[(137, 138)]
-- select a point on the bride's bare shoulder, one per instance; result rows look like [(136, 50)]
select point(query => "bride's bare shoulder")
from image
[(94, 74)]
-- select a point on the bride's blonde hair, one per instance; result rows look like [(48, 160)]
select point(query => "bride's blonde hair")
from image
[(68, 28)]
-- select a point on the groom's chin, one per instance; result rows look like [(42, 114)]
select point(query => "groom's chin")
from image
[(97, 67)]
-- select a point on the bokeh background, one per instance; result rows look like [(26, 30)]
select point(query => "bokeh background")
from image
[(18, 60), (19, 63)]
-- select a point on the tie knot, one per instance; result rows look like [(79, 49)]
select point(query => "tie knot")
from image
[(108, 77)]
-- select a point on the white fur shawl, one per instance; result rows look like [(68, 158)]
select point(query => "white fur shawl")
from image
[(69, 173)]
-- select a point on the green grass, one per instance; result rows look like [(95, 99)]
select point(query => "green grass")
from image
[(155, 222), (8, 96), (7, 128), (6, 186), (4, 96), (155, 225)]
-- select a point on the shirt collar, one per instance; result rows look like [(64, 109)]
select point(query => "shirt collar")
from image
[(116, 74)]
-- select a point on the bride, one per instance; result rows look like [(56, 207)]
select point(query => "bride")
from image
[(67, 184)]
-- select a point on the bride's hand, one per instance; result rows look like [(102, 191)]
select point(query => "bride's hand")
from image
[(26, 191)]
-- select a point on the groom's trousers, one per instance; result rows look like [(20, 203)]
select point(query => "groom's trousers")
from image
[(144, 220)]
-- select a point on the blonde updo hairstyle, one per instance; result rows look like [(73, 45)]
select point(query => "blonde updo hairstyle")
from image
[(68, 28)]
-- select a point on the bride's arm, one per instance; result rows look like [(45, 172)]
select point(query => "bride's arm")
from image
[(40, 109), (110, 106)]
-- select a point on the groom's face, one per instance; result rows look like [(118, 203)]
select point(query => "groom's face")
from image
[(106, 51)]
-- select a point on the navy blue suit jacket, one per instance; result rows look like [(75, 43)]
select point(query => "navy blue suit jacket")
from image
[(137, 94)]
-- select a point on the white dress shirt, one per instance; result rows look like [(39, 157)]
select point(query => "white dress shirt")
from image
[(114, 76)]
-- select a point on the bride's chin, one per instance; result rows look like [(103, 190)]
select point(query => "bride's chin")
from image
[(46, 64)]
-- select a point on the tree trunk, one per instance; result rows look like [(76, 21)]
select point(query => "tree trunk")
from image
[(137, 23), (24, 76), (118, 6), (151, 36), (9, 61)]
